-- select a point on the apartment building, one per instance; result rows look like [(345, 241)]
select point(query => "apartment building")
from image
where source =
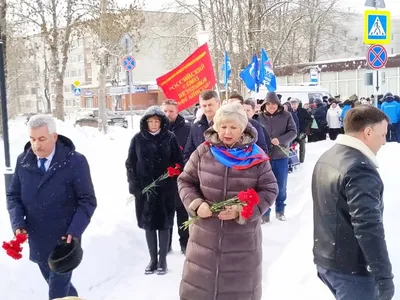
[(158, 51)]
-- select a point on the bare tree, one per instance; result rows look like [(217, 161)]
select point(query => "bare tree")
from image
[(106, 29), (55, 22)]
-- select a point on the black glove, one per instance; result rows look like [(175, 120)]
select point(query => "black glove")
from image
[(385, 289)]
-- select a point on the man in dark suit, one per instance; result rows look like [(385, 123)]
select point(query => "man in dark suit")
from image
[(209, 104), (349, 238), (181, 129), (51, 198), (263, 141)]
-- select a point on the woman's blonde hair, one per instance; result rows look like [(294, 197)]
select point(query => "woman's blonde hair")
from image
[(233, 112)]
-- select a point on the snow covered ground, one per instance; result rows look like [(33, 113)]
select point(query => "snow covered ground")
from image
[(115, 251)]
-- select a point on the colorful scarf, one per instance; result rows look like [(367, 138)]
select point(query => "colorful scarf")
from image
[(239, 159)]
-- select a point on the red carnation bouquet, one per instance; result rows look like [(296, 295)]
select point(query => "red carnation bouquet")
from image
[(246, 199), (14, 248), (171, 172)]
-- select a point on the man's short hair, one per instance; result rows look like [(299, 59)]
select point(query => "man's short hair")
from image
[(169, 102), (363, 116), (209, 94), (237, 96), (38, 121), (250, 102)]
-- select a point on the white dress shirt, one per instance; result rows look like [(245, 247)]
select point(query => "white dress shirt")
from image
[(49, 159)]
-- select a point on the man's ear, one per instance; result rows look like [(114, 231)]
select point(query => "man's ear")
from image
[(55, 136)]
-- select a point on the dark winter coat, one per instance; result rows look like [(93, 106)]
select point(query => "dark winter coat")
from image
[(196, 136), (50, 206), (223, 258), (148, 158), (347, 192), (263, 140), (320, 117), (305, 120), (181, 129), (280, 125)]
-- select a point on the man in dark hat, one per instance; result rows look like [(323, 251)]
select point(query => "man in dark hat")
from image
[(51, 198), (281, 128)]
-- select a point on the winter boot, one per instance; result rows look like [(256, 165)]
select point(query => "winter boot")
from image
[(163, 239), (281, 216), (265, 220), (183, 250), (151, 238)]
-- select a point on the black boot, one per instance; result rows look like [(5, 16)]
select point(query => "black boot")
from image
[(163, 236), (151, 238)]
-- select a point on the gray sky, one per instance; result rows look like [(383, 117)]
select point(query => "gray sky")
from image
[(357, 5)]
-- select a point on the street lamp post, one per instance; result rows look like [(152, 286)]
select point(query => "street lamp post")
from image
[(8, 173)]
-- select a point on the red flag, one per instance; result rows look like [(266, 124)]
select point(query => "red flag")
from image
[(185, 83)]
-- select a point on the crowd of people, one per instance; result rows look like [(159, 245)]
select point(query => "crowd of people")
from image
[(230, 149)]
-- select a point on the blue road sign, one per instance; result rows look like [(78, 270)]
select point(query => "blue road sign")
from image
[(377, 27), (129, 62), (377, 57), (77, 91)]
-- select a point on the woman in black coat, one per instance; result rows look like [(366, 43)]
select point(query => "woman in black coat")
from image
[(151, 152)]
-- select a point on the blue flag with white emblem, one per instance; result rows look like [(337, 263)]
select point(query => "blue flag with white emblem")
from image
[(250, 74), (267, 75), (226, 69)]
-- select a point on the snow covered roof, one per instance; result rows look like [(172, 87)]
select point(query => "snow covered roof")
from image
[(335, 65)]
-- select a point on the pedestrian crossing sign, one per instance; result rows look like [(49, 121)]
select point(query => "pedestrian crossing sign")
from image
[(377, 27)]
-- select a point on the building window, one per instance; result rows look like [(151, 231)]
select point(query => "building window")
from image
[(67, 88), (80, 57), (68, 102), (73, 73), (392, 51), (89, 102), (80, 72), (66, 75)]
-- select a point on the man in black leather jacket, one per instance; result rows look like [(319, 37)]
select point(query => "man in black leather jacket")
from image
[(349, 239)]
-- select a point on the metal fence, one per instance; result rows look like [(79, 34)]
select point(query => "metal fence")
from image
[(348, 83)]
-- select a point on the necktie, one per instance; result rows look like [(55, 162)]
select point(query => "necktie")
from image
[(42, 162)]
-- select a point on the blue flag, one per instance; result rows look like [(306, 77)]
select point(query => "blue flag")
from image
[(226, 69), (249, 75), (267, 75)]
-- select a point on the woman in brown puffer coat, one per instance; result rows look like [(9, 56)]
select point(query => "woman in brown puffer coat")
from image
[(224, 253)]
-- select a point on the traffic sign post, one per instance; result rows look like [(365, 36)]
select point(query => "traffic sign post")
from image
[(377, 27), (129, 62), (77, 92), (377, 58)]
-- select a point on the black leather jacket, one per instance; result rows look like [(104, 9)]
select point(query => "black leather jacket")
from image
[(349, 236)]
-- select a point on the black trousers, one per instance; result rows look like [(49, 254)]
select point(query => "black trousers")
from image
[(181, 217), (334, 132), (302, 146)]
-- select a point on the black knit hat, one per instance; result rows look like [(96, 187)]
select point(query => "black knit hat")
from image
[(66, 257)]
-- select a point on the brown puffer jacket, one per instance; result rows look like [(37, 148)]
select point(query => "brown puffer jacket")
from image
[(223, 258)]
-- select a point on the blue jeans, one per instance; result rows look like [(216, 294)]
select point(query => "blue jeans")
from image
[(280, 168), (60, 285), (348, 287)]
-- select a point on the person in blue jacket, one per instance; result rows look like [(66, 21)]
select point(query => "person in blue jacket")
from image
[(51, 198), (392, 109), (347, 105)]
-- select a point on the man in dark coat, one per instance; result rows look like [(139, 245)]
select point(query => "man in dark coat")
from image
[(263, 141), (209, 103), (181, 129), (305, 121), (349, 238), (151, 152), (51, 197)]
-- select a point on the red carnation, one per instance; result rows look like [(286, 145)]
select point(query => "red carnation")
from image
[(14, 248), (180, 147), (178, 166), (207, 143)]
